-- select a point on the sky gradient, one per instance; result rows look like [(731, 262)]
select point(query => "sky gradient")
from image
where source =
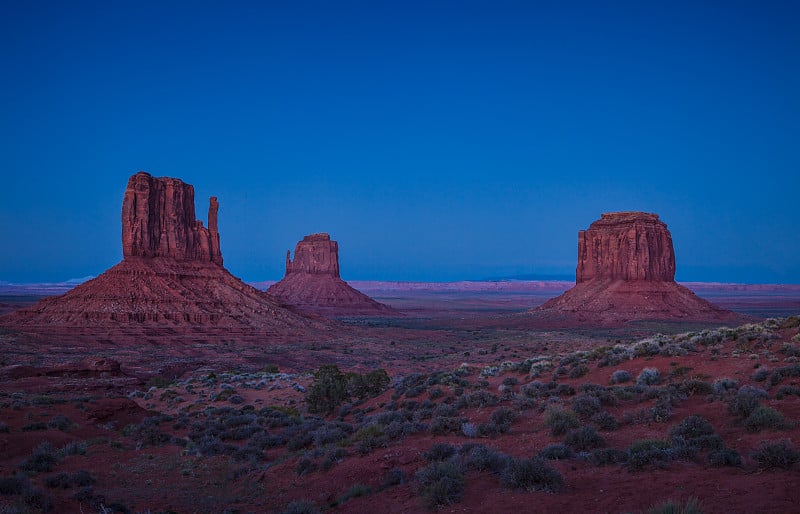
[(434, 141)]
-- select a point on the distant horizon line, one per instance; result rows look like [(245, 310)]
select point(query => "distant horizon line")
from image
[(513, 278)]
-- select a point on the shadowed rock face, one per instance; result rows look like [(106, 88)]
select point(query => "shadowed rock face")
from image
[(312, 282), (626, 246), (626, 272), (158, 220)]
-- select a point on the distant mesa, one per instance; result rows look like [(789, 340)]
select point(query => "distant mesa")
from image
[(626, 272), (312, 282), (171, 276)]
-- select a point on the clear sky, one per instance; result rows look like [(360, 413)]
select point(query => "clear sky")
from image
[(433, 140)]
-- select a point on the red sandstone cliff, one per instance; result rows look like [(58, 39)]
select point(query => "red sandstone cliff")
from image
[(626, 272), (158, 220), (312, 282), (171, 280)]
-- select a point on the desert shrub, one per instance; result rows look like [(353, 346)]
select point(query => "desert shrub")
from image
[(60, 422), (73, 448), (369, 438), (510, 381), (502, 418), (331, 433), (585, 405), (333, 457), (37, 499), (779, 374), (60, 481), (584, 438), (555, 452), (564, 390), (761, 374), (42, 459), (790, 322), (436, 393), (532, 474), (34, 427), (440, 483), (724, 457), (724, 386), (579, 371), (648, 453), (328, 390), (620, 376), (445, 424), (482, 458), (691, 506), (742, 405), (440, 452), (305, 466), (764, 417), (87, 496), (790, 350), (560, 421), (607, 456), (331, 387), (13, 485), (695, 386), (661, 411), (4, 428), (753, 391), (648, 376), (469, 429), (397, 429), (301, 507), (534, 389), (776, 454), (692, 427), (605, 421), (147, 432), (477, 399), (787, 390), (354, 491), (394, 476)]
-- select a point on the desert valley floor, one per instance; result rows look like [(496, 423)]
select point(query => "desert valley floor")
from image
[(478, 410)]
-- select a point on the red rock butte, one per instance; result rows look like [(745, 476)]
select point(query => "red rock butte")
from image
[(312, 282), (171, 281), (626, 272)]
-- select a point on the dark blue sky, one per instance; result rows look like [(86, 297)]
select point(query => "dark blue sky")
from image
[(434, 141)]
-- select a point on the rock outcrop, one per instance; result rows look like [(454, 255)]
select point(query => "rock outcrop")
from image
[(312, 282), (171, 281), (626, 246), (158, 220), (626, 272)]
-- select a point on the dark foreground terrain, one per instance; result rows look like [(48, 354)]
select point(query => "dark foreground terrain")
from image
[(450, 407)]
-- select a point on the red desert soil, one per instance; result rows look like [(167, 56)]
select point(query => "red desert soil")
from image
[(232, 437)]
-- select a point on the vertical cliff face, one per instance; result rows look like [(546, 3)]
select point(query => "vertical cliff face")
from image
[(158, 220), (315, 254), (629, 246)]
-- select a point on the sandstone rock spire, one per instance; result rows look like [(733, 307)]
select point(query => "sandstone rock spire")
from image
[(158, 220), (312, 282)]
